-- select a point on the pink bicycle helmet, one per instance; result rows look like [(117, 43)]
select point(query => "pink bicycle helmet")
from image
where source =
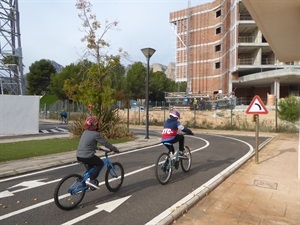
[(91, 123), (175, 114)]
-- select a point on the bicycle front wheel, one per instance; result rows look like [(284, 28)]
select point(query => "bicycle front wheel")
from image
[(69, 192), (163, 168), (114, 177), (186, 159)]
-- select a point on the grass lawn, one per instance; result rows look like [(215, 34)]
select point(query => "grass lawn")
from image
[(27, 149)]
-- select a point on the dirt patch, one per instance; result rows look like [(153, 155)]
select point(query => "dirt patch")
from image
[(203, 119)]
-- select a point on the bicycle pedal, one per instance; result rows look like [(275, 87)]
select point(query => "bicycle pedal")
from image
[(93, 186)]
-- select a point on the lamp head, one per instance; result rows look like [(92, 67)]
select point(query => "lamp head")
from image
[(148, 52)]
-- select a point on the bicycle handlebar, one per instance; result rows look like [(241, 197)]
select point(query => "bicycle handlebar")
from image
[(105, 150)]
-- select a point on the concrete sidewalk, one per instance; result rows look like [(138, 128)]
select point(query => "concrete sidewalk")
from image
[(266, 193)]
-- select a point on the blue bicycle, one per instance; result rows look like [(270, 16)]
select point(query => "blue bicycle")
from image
[(71, 189)]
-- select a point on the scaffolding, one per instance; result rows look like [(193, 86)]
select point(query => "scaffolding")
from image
[(208, 101), (11, 67)]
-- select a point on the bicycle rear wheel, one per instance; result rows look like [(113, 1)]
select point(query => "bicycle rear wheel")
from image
[(163, 168), (114, 177), (69, 192), (186, 159)]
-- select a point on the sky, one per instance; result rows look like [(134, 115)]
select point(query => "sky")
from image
[(50, 29)]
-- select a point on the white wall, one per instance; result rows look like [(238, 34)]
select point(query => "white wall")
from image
[(19, 114)]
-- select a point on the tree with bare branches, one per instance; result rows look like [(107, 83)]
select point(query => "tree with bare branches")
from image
[(96, 83)]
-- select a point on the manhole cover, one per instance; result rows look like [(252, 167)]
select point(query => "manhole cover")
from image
[(265, 184)]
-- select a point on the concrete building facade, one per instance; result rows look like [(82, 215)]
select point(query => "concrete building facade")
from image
[(220, 51)]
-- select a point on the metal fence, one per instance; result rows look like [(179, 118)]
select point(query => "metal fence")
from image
[(214, 115), (53, 111)]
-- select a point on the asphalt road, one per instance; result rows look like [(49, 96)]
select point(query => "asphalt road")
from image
[(141, 199)]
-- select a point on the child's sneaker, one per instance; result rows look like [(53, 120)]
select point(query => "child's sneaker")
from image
[(176, 165), (164, 166), (92, 183)]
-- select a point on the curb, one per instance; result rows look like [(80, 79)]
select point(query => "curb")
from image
[(59, 159)]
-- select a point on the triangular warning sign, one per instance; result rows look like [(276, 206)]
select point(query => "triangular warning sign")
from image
[(257, 106)]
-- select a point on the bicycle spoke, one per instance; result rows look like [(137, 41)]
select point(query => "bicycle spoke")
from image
[(114, 177), (186, 160), (163, 169)]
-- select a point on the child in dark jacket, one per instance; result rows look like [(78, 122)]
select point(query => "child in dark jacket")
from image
[(170, 131)]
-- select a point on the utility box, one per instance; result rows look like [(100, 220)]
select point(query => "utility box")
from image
[(19, 114)]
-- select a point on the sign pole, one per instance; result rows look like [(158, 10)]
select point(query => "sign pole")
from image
[(256, 137), (255, 108)]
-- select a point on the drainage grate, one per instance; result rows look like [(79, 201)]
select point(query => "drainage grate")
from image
[(265, 184)]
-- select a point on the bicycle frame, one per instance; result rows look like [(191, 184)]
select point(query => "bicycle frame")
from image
[(172, 155), (106, 163), (79, 185)]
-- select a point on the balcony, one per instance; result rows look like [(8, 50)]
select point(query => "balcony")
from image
[(246, 39), (246, 61), (245, 17)]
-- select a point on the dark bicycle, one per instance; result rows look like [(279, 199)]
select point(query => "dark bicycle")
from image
[(71, 189)]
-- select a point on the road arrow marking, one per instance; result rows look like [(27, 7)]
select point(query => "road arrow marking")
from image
[(27, 185), (108, 207), (6, 193), (30, 183)]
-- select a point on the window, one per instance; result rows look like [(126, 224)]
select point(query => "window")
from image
[(263, 39), (218, 30), (217, 65), (218, 13), (217, 48)]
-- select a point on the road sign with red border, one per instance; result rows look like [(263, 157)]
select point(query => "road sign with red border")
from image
[(257, 106)]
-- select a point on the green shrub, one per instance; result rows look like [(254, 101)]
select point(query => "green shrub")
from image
[(109, 126), (77, 126), (289, 109)]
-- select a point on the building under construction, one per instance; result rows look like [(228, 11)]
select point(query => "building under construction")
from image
[(220, 52)]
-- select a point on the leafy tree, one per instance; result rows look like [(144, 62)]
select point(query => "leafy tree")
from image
[(118, 81), (66, 83), (181, 86), (98, 90), (9, 60), (57, 84), (118, 74), (289, 109), (158, 85), (136, 80), (77, 74), (38, 78)]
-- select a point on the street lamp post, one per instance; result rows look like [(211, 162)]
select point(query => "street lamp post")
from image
[(148, 52)]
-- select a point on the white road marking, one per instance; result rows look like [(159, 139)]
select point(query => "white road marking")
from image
[(27, 185), (102, 183), (108, 207)]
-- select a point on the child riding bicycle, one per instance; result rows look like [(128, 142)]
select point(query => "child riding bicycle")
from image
[(87, 148), (170, 131), (63, 116)]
